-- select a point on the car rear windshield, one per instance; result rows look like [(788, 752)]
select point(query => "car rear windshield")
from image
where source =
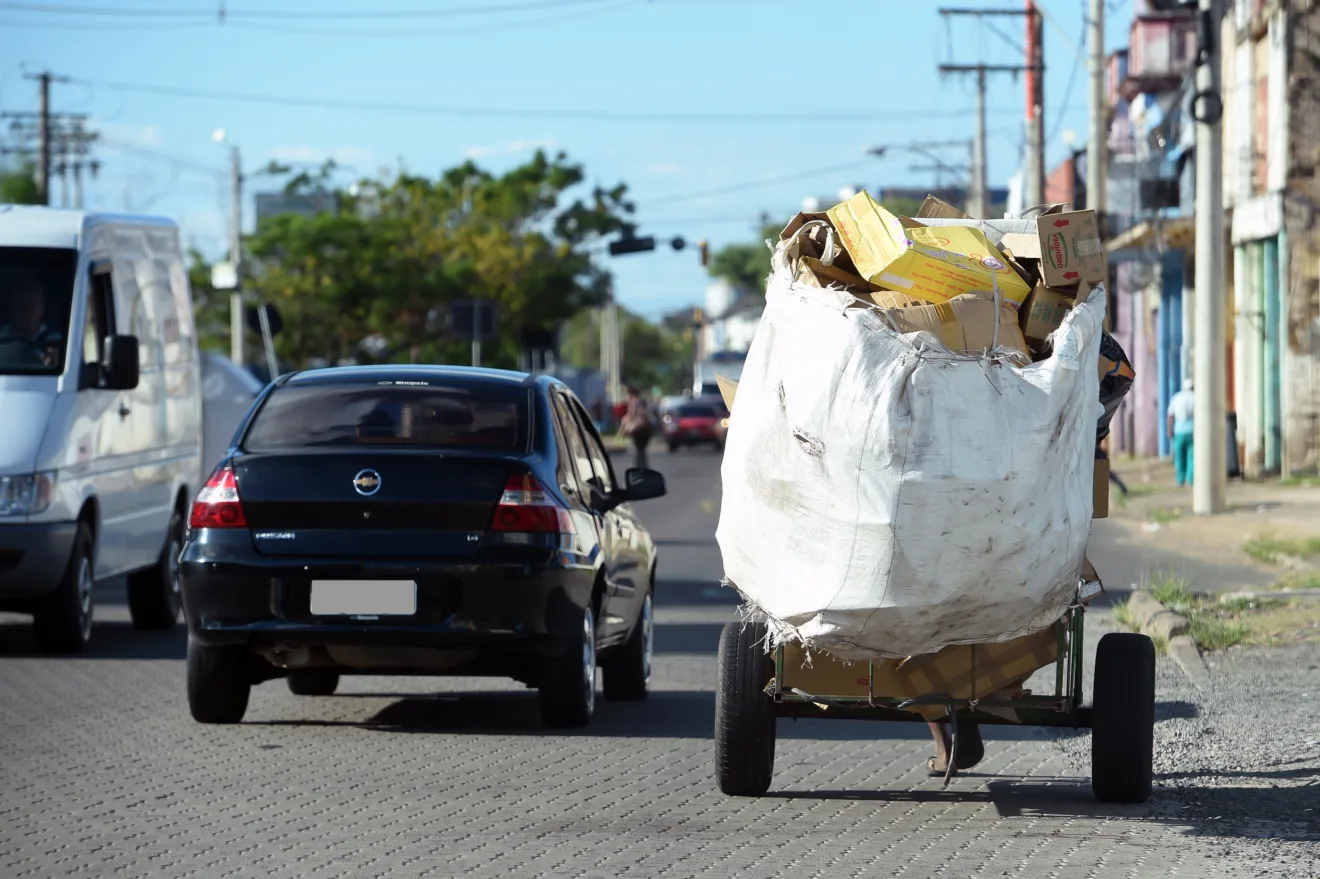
[(477, 417), (36, 292), (697, 412)]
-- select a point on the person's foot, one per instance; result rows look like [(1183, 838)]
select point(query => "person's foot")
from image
[(971, 749)]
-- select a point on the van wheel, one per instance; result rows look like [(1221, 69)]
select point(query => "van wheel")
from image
[(219, 683), (153, 594), (64, 619)]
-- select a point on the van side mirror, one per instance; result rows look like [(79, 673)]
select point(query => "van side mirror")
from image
[(121, 369)]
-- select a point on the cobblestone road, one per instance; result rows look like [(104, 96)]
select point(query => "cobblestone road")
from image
[(103, 773)]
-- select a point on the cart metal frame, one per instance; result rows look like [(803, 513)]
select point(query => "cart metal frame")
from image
[(1063, 708)]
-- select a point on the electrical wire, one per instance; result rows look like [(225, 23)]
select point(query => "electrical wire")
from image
[(529, 113), (755, 184), (1067, 92), (297, 14), (413, 33), (165, 158)]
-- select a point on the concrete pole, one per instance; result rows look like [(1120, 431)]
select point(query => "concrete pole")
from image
[(236, 257), (979, 201), (1210, 462), (1097, 147)]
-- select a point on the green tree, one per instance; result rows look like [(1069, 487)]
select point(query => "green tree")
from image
[(653, 355), (18, 184), (745, 265)]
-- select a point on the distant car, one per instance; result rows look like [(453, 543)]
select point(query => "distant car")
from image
[(418, 521), (227, 394), (698, 423)]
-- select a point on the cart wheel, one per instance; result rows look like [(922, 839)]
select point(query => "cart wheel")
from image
[(1123, 719), (744, 720)]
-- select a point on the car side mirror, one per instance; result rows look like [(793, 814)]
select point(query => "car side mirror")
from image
[(643, 484), (121, 370)]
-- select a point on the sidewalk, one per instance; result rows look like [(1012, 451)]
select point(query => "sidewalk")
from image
[(1154, 530)]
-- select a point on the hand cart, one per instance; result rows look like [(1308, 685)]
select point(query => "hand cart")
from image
[(754, 693)]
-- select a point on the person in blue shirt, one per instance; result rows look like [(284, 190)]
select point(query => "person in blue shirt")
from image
[(1181, 410)]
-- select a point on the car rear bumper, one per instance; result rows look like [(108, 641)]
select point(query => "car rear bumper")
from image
[(267, 603), (33, 557), (694, 436)]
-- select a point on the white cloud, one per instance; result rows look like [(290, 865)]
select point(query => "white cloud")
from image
[(516, 146)]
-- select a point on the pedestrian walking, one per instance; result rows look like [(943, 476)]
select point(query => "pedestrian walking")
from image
[(637, 426), (1113, 477), (1181, 410)]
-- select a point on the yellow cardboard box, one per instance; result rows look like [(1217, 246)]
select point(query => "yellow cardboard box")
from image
[(932, 264), (965, 324)]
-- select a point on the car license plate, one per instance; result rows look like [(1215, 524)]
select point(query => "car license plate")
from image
[(364, 598)]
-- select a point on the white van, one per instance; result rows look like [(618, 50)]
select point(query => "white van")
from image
[(100, 416)]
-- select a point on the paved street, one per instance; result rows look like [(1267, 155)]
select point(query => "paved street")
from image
[(103, 773)]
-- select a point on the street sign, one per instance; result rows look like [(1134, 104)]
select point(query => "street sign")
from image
[(274, 319), (473, 319), (224, 276)]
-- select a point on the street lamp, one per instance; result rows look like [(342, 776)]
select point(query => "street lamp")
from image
[(235, 248)]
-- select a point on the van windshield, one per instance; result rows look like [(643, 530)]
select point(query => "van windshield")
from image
[(36, 292)]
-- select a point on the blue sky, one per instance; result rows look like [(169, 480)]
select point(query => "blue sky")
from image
[(865, 69)]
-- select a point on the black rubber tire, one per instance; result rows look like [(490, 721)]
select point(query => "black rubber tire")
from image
[(219, 683), (154, 598), (1123, 719), (627, 674), (313, 681), (744, 716), (566, 701), (63, 619), (673, 447), (719, 447)]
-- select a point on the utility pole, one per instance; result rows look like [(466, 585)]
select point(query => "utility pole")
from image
[(236, 257), (43, 136), (1210, 476), (978, 200), (1034, 68), (1035, 78), (1097, 147)]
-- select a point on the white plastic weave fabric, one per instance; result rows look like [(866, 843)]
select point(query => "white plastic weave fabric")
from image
[(884, 496)]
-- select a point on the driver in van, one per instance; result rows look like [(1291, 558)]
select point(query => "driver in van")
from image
[(38, 344)]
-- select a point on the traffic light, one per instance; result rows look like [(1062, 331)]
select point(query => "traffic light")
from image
[(704, 248), (698, 317), (631, 245)]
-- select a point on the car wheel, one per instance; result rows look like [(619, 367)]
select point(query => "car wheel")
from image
[(219, 683), (64, 618), (673, 447), (313, 682), (153, 594), (1123, 719), (627, 673), (568, 690), (744, 716)]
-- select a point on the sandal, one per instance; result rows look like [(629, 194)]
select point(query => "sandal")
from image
[(935, 772), (971, 750)]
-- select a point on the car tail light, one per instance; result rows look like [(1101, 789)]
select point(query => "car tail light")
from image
[(527, 507), (218, 505)]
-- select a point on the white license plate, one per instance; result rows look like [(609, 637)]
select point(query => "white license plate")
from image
[(364, 597)]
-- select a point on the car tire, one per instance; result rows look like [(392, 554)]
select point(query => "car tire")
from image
[(1123, 719), (719, 446), (313, 681), (627, 674), (219, 683), (744, 714), (154, 599), (673, 447), (63, 619), (568, 687)]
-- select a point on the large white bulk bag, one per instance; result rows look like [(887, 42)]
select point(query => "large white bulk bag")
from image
[(884, 496)]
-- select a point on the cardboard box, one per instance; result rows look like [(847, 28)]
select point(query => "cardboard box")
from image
[(1068, 247), (728, 390), (965, 324), (972, 671), (814, 273), (935, 208), (1100, 490), (1044, 311), (891, 299), (812, 242), (931, 264)]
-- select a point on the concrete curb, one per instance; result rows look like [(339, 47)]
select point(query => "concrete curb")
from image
[(1156, 620)]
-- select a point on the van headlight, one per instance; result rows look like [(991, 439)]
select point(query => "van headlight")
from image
[(27, 494)]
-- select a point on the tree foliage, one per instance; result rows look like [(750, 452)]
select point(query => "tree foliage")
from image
[(653, 356), (745, 265), (18, 184), (375, 279)]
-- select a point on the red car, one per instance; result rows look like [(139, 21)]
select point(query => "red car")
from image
[(693, 424)]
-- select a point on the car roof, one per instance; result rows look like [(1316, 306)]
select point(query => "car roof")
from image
[(417, 373)]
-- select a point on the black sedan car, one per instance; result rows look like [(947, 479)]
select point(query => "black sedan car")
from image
[(418, 521)]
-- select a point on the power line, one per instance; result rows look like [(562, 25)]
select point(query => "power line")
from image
[(165, 158), (528, 113), (757, 184), (297, 14)]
